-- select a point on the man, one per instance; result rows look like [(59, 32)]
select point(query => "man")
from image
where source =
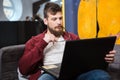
[(47, 48)]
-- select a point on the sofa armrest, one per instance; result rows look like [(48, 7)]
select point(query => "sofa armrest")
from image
[(9, 57), (114, 68)]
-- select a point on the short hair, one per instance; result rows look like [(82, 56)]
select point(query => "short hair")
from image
[(51, 8)]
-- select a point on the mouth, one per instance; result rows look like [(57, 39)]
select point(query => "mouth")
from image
[(59, 27)]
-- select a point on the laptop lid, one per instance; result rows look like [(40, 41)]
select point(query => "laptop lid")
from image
[(84, 55)]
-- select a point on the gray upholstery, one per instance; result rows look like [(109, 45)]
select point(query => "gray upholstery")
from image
[(10, 55), (114, 68)]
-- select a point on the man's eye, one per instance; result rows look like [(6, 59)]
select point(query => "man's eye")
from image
[(54, 19), (60, 18)]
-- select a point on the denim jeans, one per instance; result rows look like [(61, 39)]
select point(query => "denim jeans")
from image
[(91, 75)]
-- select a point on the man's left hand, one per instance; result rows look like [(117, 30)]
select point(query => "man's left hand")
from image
[(110, 57)]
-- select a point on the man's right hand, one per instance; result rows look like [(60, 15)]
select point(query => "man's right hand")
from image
[(49, 38)]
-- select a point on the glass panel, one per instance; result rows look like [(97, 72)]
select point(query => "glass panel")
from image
[(8, 12), (12, 9), (7, 3)]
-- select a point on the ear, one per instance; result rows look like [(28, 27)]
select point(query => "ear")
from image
[(45, 21)]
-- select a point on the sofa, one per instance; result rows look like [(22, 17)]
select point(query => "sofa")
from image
[(10, 55)]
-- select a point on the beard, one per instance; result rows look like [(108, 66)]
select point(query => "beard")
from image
[(56, 33)]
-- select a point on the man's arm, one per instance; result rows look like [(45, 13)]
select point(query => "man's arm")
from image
[(32, 56)]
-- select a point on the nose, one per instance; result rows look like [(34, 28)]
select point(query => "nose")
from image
[(59, 21)]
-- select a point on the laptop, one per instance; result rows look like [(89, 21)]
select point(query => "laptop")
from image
[(81, 56)]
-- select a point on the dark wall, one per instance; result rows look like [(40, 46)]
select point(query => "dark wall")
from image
[(18, 32)]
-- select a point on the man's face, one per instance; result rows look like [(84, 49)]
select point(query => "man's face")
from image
[(54, 23)]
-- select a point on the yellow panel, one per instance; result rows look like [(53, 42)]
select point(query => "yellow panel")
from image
[(109, 18), (63, 11), (87, 19)]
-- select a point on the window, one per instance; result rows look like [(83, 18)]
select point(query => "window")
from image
[(12, 9)]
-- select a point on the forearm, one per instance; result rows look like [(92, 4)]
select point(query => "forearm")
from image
[(32, 57)]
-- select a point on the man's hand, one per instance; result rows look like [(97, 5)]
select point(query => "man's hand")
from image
[(110, 57), (49, 38)]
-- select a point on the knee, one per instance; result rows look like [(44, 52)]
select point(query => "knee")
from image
[(100, 75), (94, 75), (46, 77)]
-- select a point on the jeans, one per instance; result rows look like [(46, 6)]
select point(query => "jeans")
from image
[(91, 75)]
